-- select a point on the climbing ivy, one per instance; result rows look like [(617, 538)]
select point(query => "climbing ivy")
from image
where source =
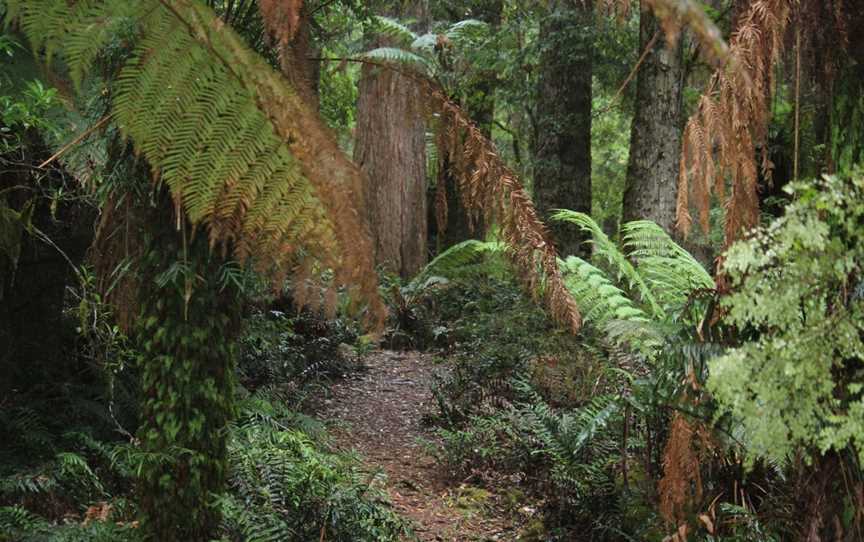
[(187, 367)]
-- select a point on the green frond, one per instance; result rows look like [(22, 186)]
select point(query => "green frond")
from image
[(425, 43), (466, 29), (565, 435), (216, 125), (464, 259), (395, 30), (605, 249), (599, 299), (671, 272), (395, 55), (642, 335)]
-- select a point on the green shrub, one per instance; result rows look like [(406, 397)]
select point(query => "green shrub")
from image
[(285, 486), (796, 383)]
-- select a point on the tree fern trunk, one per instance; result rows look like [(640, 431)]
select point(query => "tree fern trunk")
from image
[(655, 137), (299, 61), (391, 150), (187, 363), (562, 168)]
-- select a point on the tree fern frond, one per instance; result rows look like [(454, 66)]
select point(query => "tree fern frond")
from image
[(671, 272), (399, 56), (465, 29), (425, 43), (395, 30), (607, 250), (600, 300), (458, 259), (641, 335), (239, 150)]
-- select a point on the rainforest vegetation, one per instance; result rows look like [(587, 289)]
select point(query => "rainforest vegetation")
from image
[(380, 270)]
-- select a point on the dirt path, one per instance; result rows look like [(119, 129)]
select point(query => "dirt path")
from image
[(379, 414)]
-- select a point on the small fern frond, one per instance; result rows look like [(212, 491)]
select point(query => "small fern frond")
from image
[(395, 55), (598, 298), (605, 249), (394, 30)]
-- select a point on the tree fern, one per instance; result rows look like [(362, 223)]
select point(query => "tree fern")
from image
[(605, 249), (598, 298), (670, 271), (241, 153)]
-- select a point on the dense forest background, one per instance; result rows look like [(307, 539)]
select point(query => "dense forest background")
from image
[(435, 270)]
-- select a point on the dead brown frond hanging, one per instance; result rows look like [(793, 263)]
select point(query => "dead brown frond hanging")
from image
[(675, 15), (491, 191), (681, 488), (282, 18), (721, 139)]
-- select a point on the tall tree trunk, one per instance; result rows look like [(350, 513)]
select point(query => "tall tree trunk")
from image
[(562, 154), (391, 150), (655, 137)]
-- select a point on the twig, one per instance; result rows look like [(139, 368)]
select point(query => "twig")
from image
[(76, 141), (648, 47)]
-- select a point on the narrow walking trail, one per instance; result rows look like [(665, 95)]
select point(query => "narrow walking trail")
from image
[(378, 413)]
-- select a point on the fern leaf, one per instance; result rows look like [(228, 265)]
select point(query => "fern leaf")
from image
[(600, 300), (460, 259), (671, 272), (607, 250), (238, 149), (425, 43), (466, 29), (395, 55), (395, 30)]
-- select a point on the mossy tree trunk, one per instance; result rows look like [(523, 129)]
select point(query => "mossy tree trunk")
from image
[(187, 366)]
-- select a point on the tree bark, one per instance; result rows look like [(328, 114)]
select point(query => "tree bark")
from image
[(391, 150), (655, 137), (562, 154)]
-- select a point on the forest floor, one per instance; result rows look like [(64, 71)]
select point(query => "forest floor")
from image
[(379, 414)]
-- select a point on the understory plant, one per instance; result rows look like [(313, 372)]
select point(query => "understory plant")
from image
[(794, 386), (581, 421)]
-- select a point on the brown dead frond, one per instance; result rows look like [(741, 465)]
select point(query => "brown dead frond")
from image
[(491, 192), (681, 487), (721, 138), (336, 179), (675, 15), (282, 18)]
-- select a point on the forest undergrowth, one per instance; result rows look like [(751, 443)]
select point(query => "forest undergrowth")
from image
[(217, 326)]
